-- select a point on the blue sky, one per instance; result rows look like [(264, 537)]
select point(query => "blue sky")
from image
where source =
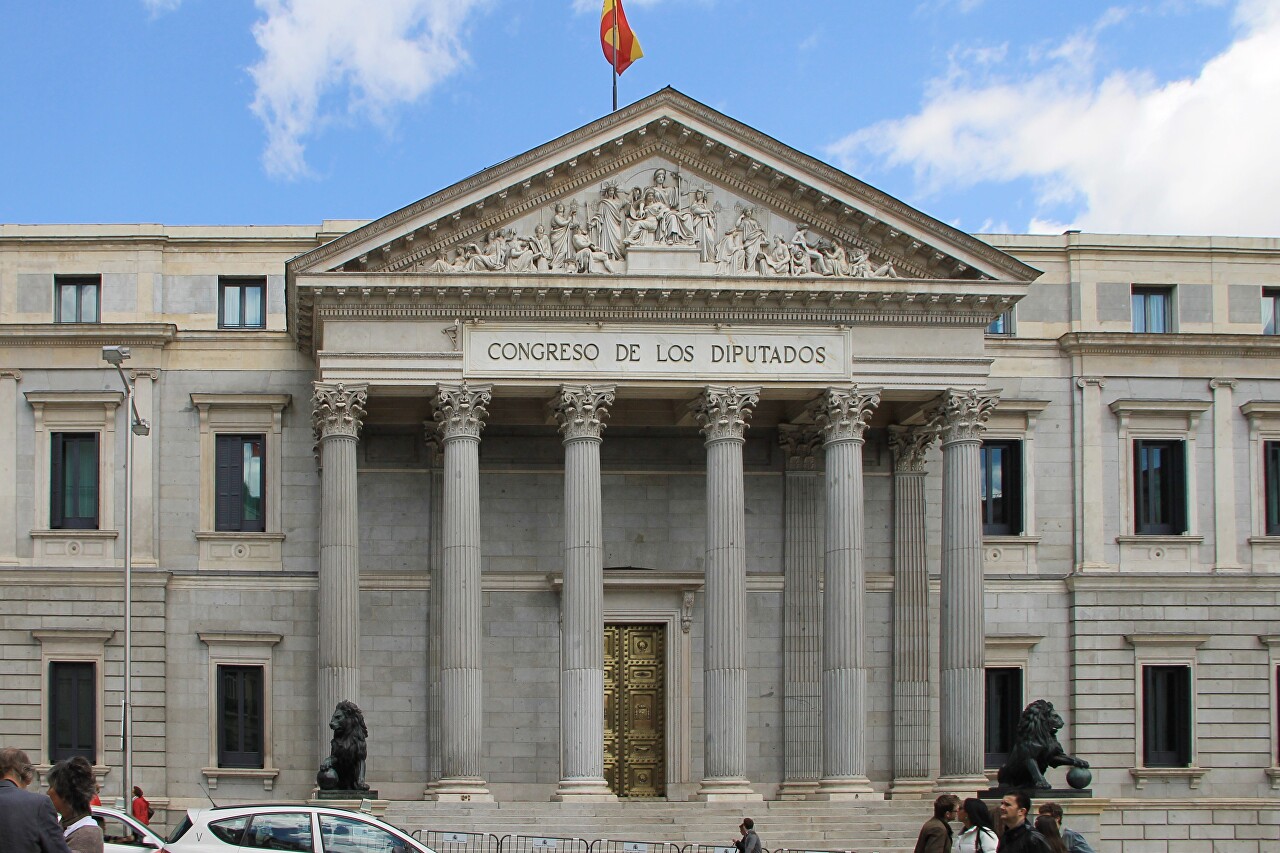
[(1156, 116)]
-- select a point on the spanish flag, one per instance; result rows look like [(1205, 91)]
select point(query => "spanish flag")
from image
[(614, 29)]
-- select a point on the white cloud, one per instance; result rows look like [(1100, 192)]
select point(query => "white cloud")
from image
[(321, 58), (160, 7), (1126, 153)]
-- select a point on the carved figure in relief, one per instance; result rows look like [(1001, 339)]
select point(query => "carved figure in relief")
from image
[(610, 221), (862, 268), (805, 253), (703, 221), (541, 243), (780, 257), (441, 263), (560, 221), (584, 251), (837, 258), (524, 256), (730, 253), (646, 221)]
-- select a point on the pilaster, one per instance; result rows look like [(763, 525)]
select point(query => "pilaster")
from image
[(435, 459), (1091, 507), (9, 379), (1224, 481), (145, 509)]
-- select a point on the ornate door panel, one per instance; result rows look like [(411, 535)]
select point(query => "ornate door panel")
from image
[(635, 735)]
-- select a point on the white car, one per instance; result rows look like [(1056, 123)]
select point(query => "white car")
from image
[(300, 829), (122, 833)]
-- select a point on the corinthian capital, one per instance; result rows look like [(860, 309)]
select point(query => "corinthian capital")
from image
[(460, 410), (909, 446), (800, 444), (723, 412), (843, 413), (338, 409), (581, 410), (962, 415)]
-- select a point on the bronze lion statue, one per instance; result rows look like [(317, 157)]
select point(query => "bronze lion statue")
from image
[(1035, 749), (343, 770)]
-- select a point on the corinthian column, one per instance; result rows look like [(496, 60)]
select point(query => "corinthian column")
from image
[(911, 724), (338, 412), (580, 411), (460, 411), (723, 414), (960, 417), (842, 414)]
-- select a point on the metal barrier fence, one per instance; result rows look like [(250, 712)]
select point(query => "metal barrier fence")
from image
[(793, 850), (443, 841), (605, 845), (542, 844)]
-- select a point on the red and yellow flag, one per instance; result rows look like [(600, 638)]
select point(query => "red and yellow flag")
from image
[(628, 45)]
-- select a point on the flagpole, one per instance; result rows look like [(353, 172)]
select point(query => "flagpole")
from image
[(615, 56)]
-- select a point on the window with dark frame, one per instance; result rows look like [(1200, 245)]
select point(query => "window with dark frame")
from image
[(1166, 716), (1152, 309), (1271, 312), (1159, 487), (239, 499), (73, 706), (1001, 488), (242, 303), (1001, 325), (1004, 706), (73, 481), (77, 298), (241, 723), (1271, 485)]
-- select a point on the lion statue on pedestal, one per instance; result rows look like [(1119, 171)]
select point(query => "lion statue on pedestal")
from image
[(343, 770), (1035, 749)]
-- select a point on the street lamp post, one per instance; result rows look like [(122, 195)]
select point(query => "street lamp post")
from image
[(115, 356)]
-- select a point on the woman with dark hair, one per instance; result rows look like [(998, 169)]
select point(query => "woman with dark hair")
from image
[(1048, 827), (979, 835), (71, 786)]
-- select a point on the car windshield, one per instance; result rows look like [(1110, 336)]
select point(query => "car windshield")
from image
[(181, 829)]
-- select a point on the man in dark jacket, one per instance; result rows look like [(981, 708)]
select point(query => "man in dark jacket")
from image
[(28, 823), (935, 835), (1018, 836), (749, 842)]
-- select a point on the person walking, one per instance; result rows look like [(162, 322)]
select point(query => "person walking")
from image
[(1048, 827), (70, 788), (141, 808), (1075, 841), (979, 834), (1018, 836), (936, 835), (28, 822), (749, 842)]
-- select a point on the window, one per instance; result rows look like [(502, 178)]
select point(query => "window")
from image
[(1152, 309), (242, 303), (240, 716), (283, 831), (1159, 495), (1001, 325), (239, 483), (1004, 706), (1166, 716), (117, 831), (1271, 480), (73, 481), (1001, 488), (1271, 312), (73, 705), (350, 835), (230, 831), (76, 298)]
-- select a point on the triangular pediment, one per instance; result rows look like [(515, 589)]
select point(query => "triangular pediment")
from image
[(666, 186)]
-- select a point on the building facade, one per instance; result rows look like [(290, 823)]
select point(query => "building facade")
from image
[(659, 461)]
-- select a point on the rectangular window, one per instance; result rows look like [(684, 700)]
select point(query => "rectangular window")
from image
[(1002, 325), (76, 298), (1271, 484), (73, 704), (73, 481), (1004, 706), (1166, 716), (240, 716), (1001, 488), (1153, 309), (1160, 493), (239, 501), (1271, 312), (242, 303)]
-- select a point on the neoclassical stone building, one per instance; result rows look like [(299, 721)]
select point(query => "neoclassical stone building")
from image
[(662, 460)]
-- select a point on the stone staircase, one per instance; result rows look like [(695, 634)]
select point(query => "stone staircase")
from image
[(865, 826)]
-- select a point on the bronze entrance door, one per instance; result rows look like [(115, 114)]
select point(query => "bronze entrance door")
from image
[(635, 732)]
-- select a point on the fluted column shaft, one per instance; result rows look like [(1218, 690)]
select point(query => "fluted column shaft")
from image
[(842, 415), (460, 412), (339, 410), (435, 452), (723, 414), (912, 726), (580, 410), (802, 612), (961, 419)]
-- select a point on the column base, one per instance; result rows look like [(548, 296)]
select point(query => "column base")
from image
[(911, 789), (583, 791), (798, 790), (952, 784), (460, 791), (847, 788), (727, 790)]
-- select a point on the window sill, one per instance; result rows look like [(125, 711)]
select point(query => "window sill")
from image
[(1143, 775), (267, 775), (1159, 553), (1273, 773), (1009, 553), (233, 550), (1265, 553), (74, 547)]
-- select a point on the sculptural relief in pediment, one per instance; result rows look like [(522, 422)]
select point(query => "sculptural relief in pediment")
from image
[(657, 220)]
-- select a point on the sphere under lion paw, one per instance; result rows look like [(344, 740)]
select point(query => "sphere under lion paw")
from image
[(1079, 777)]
